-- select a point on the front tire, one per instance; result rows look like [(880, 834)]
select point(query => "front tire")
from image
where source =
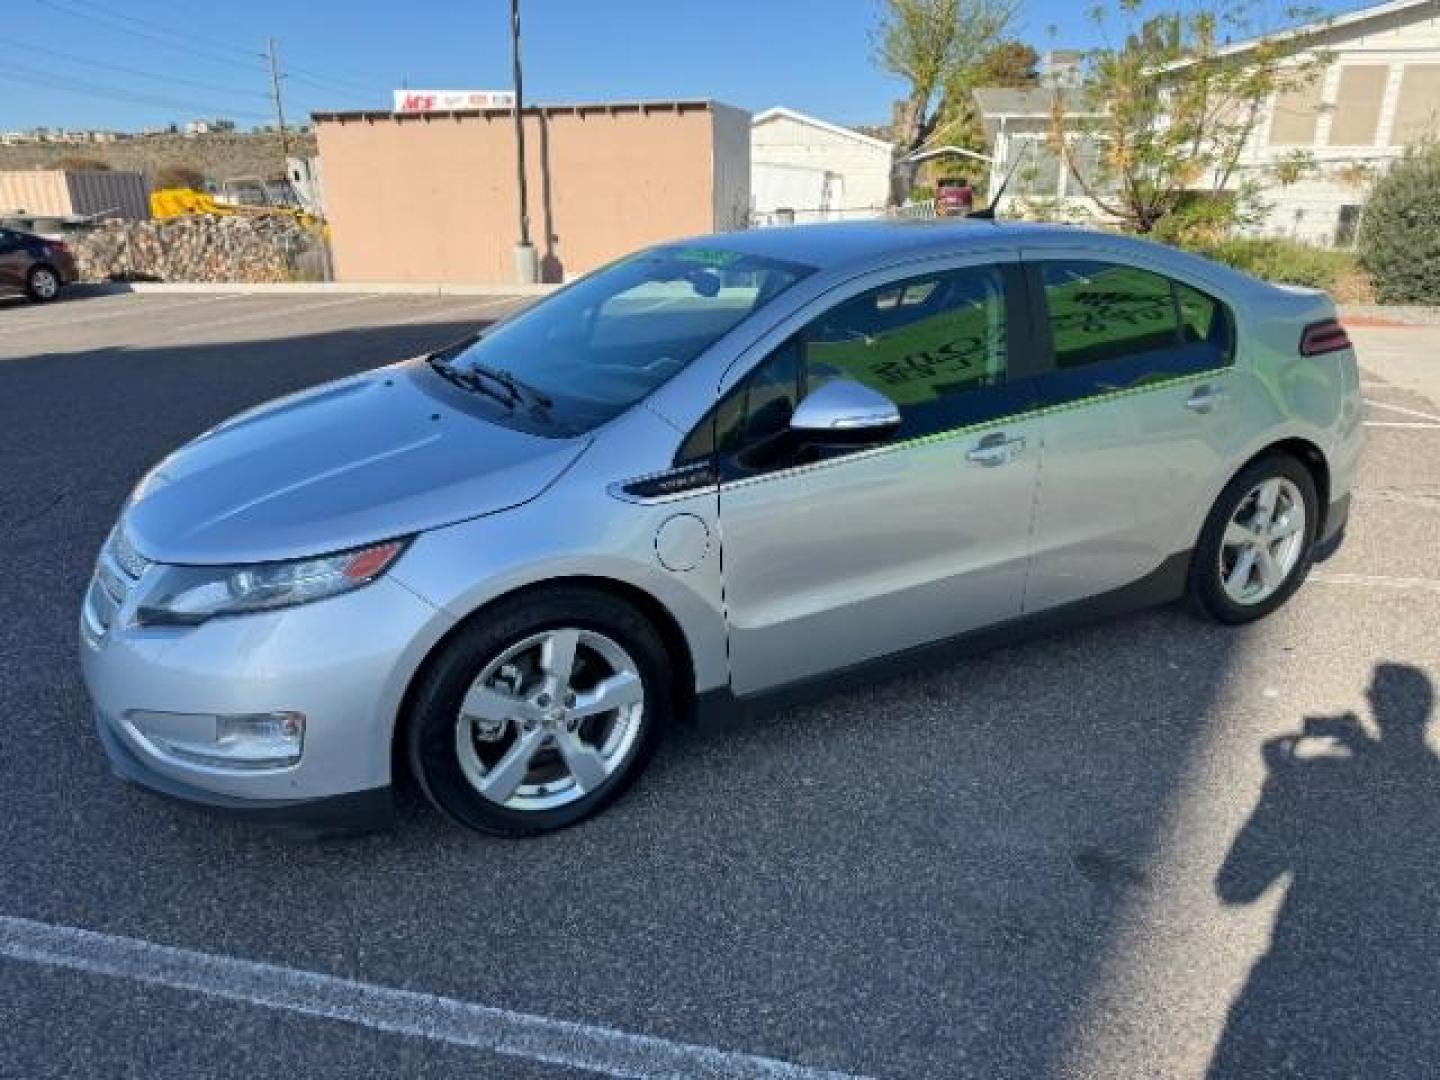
[(42, 284), (1258, 542), (540, 711)]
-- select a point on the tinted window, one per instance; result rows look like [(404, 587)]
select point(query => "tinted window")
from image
[(916, 341), (935, 345), (1103, 313), (599, 346)]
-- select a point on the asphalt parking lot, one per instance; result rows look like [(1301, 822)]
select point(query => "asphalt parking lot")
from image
[(1068, 858)]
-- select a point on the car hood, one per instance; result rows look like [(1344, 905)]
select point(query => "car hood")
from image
[(368, 458)]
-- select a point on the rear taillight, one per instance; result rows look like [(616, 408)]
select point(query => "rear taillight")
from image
[(1323, 337), (59, 248)]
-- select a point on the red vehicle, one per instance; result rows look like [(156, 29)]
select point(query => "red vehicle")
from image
[(34, 265), (954, 197)]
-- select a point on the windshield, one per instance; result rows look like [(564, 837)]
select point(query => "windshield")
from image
[(592, 350)]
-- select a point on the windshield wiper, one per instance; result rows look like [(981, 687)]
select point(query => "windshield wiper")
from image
[(466, 381), (519, 390), (512, 391)]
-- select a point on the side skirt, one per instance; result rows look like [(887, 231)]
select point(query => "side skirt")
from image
[(1163, 585)]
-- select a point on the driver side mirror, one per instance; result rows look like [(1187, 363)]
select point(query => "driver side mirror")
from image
[(844, 412)]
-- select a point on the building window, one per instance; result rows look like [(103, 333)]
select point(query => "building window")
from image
[(1038, 172), (1295, 114), (1417, 113), (1357, 104)]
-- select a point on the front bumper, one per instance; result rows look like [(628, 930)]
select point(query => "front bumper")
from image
[(343, 663), (356, 810)]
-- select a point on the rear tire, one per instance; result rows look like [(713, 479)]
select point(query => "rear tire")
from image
[(1258, 542), (539, 712), (42, 284)]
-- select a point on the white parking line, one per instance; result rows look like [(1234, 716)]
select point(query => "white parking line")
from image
[(270, 311), (381, 1008), (1401, 424), (1381, 581), (451, 311), (57, 321), (1402, 410)]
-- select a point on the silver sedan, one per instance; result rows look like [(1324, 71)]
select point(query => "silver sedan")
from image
[(711, 473)]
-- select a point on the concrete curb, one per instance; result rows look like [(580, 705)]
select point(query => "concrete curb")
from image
[(314, 288)]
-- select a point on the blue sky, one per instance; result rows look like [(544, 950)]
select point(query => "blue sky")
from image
[(128, 63)]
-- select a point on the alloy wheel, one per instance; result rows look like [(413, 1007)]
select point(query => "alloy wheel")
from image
[(1263, 541), (550, 719), (45, 284)]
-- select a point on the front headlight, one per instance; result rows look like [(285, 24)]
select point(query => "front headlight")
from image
[(187, 595)]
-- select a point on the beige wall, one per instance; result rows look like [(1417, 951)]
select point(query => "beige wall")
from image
[(434, 198)]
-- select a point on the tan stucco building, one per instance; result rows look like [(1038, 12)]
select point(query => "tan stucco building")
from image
[(433, 197)]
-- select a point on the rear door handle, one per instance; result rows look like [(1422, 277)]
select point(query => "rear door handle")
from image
[(995, 449), (1204, 398)]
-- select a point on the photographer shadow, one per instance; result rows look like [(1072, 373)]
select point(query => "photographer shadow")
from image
[(1350, 985)]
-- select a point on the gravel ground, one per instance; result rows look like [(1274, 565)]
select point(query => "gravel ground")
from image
[(1073, 858)]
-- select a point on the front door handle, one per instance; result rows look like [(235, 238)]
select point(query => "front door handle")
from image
[(1205, 398), (995, 449)]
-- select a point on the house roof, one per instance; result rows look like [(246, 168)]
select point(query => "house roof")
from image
[(1329, 22), (780, 112), (998, 101)]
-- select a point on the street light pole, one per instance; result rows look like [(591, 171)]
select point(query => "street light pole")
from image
[(525, 265)]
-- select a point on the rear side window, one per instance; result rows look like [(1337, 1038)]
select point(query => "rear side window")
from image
[(1102, 313)]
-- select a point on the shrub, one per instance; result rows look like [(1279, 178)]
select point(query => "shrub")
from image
[(1287, 262), (1400, 232), (80, 163), (179, 176)]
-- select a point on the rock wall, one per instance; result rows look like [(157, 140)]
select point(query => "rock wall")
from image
[(199, 247)]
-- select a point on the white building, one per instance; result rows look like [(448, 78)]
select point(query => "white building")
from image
[(815, 170), (1379, 93)]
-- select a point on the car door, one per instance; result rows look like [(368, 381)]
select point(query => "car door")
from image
[(836, 555), (1138, 423), (14, 261)]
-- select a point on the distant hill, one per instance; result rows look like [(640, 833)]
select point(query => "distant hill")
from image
[(223, 156)]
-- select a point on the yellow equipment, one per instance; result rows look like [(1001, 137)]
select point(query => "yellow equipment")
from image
[(177, 202)]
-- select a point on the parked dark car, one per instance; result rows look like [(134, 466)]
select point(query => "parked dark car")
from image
[(31, 264), (954, 197)]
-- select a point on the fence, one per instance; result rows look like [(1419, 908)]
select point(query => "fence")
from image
[(764, 219)]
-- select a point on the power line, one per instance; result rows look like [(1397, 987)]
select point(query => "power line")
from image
[(321, 83), (203, 46), (174, 80), (112, 22), (32, 77), (351, 78)]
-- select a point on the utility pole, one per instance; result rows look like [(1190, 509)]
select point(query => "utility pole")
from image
[(525, 266), (279, 104)]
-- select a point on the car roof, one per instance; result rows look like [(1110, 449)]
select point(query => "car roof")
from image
[(858, 245)]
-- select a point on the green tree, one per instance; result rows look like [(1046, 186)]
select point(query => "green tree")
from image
[(1170, 108), (1009, 64), (936, 47), (1400, 231)]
